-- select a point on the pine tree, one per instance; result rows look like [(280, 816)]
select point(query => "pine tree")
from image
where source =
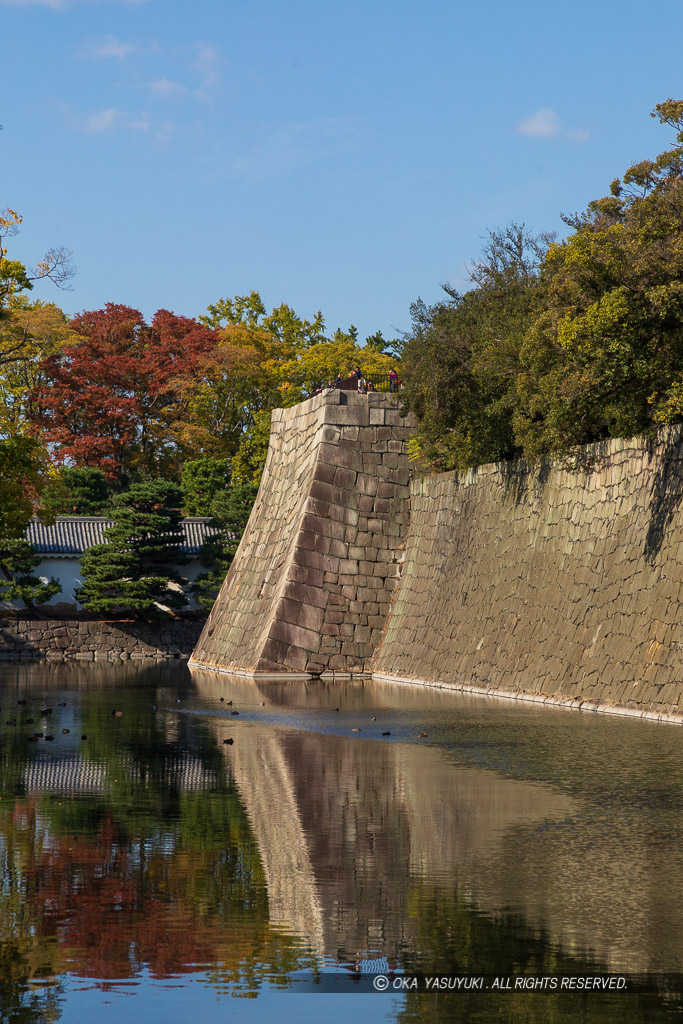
[(135, 571), (17, 580), (231, 511)]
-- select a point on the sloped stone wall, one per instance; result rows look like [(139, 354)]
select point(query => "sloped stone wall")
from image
[(549, 582), (310, 586)]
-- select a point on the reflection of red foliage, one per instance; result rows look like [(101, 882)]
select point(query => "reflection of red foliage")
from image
[(92, 895)]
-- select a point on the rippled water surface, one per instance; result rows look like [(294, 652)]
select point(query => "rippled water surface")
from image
[(152, 871)]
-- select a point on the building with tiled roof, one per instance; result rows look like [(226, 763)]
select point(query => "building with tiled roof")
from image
[(62, 545), (70, 536)]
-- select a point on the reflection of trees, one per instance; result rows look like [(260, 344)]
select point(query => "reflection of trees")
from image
[(453, 938), (152, 870)]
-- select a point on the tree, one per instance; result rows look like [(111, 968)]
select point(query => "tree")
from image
[(215, 404), (201, 481), (248, 463), (377, 343), (18, 582), (604, 355), (231, 510), (30, 332), (76, 490), (135, 571), (23, 472), (287, 329), (23, 460), (315, 366), (107, 401), (461, 360), (15, 278)]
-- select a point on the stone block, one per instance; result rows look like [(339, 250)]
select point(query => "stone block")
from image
[(291, 634), (304, 594), (345, 478)]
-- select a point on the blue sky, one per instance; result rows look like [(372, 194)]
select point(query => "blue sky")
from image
[(347, 157)]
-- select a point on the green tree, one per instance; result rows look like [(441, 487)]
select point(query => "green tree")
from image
[(77, 490), (23, 472), (289, 330), (18, 582), (248, 463), (23, 460), (231, 510), (604, 355), (135, 571), (378, 343), (461, 359), (201, 481)]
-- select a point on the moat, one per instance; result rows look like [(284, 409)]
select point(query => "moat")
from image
[(153, 870)]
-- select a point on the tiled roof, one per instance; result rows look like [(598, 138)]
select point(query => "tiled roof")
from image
[(72, 535)]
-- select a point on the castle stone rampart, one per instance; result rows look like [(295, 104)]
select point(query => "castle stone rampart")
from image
[(310, 586)]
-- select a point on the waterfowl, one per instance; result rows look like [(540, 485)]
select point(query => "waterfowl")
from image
[(229, 741)]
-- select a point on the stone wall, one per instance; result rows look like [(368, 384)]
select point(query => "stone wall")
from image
[(65, 639), (310, 586), (554, 583)]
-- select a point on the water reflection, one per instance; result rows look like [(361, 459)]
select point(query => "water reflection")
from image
[(504, 836)]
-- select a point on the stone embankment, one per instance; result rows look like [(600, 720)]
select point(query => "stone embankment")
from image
[(63, 640), (554, 583), (310, 587), (550, 583)]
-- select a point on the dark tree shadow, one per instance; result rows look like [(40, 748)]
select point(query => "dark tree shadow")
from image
[(521, 476), (667, 491)]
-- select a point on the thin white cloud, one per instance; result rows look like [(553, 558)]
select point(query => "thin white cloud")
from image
[(102, 121), (165, 87), (545, 124), (110, 120), (206, 64), (108, 46), (164, 134)]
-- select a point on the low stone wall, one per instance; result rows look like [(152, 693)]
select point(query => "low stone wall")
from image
[(66, 639)]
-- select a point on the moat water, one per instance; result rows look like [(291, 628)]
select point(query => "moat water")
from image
[(152, 871)]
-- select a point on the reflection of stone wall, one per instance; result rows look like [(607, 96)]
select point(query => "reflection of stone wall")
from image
[(548, 582), (65, 639), (310, 586), (359, 835)]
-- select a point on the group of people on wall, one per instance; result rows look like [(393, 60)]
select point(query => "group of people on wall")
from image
[(363, 385)]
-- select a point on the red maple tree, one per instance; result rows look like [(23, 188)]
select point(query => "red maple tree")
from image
[(105, 400)]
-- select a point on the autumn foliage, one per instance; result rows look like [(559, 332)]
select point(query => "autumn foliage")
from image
[(105, 400)]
